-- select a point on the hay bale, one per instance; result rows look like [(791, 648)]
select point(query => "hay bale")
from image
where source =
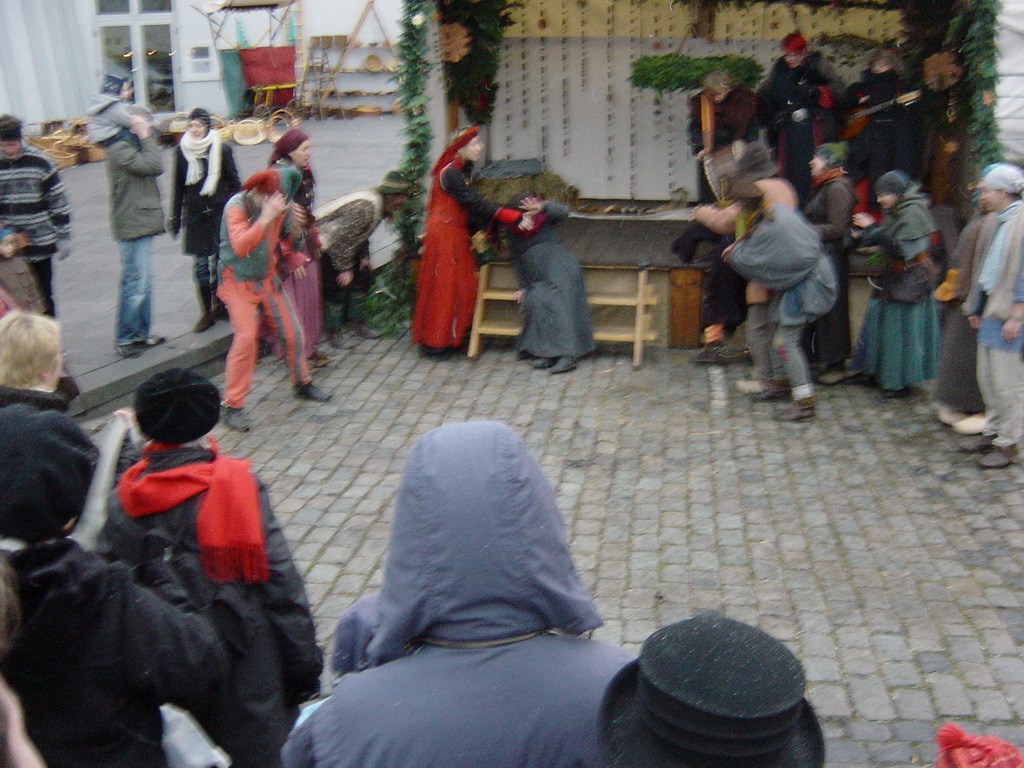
[(550, 186)]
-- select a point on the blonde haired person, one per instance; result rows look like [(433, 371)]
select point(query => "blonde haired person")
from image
[(31, 362)]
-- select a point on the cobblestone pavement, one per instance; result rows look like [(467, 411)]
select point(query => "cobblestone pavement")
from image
[(884, 559)]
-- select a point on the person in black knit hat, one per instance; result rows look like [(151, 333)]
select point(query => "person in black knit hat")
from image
[(214, 519), (177, 406), (97, 654)]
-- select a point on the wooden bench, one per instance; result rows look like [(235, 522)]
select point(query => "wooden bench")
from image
[(628, 319)]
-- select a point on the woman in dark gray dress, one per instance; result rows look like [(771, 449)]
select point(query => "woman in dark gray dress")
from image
[(556, 317)]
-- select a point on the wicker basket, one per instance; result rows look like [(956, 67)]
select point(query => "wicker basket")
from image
[(94, 154), (63, 159), (178, 123), (279, 123), (222, 128), (46, 143), (248, 132)]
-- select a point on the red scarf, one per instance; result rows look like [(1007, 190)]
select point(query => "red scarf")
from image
[(835, 173), (229, 529)]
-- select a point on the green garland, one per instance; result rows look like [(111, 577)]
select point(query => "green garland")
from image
[(470, 82), (673, 72), (389, 305), (980, 55)]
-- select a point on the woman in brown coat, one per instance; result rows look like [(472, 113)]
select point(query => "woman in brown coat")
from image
[(830, 209)]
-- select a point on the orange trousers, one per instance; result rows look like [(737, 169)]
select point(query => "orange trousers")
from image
[(246, 302)]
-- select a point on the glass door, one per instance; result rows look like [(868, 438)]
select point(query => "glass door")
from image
[(157, 67), (137, 42)]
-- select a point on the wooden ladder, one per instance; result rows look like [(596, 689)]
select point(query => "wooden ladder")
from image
[(637, 334)]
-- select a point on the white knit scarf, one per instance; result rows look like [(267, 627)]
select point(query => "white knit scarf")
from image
[(195, 150)]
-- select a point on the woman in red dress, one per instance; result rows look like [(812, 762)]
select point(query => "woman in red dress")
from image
[(446, 287)]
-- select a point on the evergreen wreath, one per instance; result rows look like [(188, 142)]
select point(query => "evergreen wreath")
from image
[(674, 72)]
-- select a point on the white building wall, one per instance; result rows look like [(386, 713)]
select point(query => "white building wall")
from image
[(43, 46), (1010, 91), (50, 51)]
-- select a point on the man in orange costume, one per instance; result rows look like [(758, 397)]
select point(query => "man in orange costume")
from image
[(254, 223)]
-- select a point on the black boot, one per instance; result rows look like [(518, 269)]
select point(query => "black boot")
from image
[(205, 322), (310, 391)]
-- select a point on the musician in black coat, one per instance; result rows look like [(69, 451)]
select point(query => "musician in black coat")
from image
[(891, 139), (799, 101)]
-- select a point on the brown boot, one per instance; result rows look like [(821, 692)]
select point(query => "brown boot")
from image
[(205, 321), (778, 389), (800, 410), (1000, 458)]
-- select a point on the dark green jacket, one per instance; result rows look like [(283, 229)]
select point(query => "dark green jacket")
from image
[(135, 209)]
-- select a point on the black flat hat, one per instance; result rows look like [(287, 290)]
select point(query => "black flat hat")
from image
[(710, 692)]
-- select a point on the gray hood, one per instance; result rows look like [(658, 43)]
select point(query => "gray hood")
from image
[(478, 550), (108, 115)]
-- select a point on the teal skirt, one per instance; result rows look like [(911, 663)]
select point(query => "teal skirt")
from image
[(900, 342)]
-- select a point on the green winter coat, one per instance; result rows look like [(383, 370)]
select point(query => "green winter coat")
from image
[(135, 209)]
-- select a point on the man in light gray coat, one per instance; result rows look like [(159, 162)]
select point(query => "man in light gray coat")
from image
[(136, 214), (995, 307), (480, 583)]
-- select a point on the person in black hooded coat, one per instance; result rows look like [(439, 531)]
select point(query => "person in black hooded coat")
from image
[(97, 654)]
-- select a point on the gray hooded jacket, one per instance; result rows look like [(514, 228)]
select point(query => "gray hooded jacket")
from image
[(477, 573), (784, 254)]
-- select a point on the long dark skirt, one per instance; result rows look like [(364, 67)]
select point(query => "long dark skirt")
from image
[(827, 339), (556, 316), (956, 385)]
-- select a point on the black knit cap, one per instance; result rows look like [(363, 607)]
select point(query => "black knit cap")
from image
[(177, 406), (710, 692), (10, 128), (112, 84), (201, 115), (46, 465)]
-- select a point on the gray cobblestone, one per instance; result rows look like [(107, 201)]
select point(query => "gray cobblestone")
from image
[(889, 565)]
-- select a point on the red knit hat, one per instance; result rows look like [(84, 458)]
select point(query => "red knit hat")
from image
[(794, 42), (265, 182), (958, 749)]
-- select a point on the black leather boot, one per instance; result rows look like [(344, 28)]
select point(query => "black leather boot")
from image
[(205, 322)]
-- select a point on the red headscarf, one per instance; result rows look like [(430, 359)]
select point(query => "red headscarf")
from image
[(292, 140), (265, 182), (452, 150)]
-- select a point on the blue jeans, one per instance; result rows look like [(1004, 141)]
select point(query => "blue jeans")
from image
[(134, 305)]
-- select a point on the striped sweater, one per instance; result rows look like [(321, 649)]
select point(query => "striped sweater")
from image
[(32, 199)]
